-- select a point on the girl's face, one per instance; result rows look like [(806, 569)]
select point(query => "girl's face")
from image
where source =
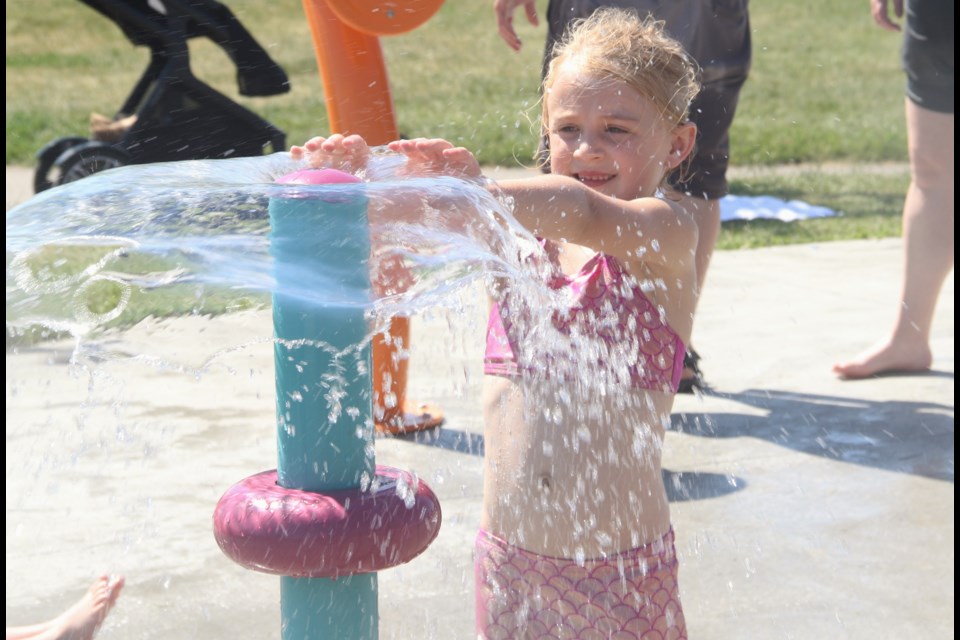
[(608, 136)]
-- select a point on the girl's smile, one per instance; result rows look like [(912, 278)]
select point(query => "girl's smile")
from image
[(606, 135)]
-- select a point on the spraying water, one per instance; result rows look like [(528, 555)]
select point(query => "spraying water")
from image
[(193, 238), (81, 256), (123, 247)]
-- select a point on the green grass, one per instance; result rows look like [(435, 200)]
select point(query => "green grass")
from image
[(825, 83), (825, 87)]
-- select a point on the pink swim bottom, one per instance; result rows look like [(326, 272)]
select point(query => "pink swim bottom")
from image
[(522, 595)]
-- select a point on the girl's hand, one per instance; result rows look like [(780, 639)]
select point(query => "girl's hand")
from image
[(436, 157), (348, 153)]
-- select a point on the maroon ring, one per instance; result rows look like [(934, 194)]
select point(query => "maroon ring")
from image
[(265, 527)]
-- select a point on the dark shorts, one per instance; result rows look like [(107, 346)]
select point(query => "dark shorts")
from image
[(716, 33), (928, 53)]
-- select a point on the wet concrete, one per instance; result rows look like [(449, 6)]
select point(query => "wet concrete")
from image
[(805, 507)]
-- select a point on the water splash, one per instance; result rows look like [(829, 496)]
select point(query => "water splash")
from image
[(129, 247), (193, 237)]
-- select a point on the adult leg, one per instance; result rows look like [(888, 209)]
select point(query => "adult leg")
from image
[(707, 215), (717, 35), (928, 249), (705, 182)]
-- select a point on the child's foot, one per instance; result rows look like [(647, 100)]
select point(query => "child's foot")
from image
[(886, 357), (83, 619)]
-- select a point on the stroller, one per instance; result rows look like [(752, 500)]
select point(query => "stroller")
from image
[(170, 114)]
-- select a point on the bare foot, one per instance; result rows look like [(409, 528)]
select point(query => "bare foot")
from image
[(886, 357), (82, 620)]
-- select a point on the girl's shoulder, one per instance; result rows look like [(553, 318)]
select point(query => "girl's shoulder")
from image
[(663, 201)]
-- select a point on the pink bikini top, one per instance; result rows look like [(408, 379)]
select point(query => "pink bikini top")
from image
[(609, 305)]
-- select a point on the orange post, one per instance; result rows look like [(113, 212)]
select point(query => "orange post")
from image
[(345, 41)]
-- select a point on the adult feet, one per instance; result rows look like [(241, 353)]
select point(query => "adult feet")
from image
[(888, 356)]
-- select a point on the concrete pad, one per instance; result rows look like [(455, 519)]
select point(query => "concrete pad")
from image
[(804, 506)]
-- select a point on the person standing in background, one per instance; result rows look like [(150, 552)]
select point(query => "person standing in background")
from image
[(928, 207)]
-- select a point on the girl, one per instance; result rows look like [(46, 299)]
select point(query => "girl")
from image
[(575, 538)]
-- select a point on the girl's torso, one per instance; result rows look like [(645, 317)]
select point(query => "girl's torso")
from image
[(572, 463)]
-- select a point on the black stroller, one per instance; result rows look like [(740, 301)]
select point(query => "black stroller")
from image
[(171, 115)]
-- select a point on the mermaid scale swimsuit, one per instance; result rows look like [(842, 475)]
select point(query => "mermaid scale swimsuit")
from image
[(628, 595), (614, 308)]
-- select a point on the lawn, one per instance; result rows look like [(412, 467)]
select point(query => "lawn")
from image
[(825, 88)]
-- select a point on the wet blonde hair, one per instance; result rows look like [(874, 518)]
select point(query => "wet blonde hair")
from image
[(616, 44)]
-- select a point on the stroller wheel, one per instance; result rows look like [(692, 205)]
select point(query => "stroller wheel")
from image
[(89, 158), (47, 156)]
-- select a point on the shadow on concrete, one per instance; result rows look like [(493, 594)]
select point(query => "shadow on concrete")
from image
[(444, 438), (680, 485), (699, 485), (907, 437)]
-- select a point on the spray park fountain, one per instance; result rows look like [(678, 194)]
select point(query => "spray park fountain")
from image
[(324, 324), (328, 518)]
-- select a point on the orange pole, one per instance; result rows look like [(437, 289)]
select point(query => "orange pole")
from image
[(358, 101), (354, 77)]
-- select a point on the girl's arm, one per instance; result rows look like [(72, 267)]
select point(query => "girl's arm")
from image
[(648, 230)]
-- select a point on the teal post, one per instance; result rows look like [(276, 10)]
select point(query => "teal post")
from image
[(324, 386)]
